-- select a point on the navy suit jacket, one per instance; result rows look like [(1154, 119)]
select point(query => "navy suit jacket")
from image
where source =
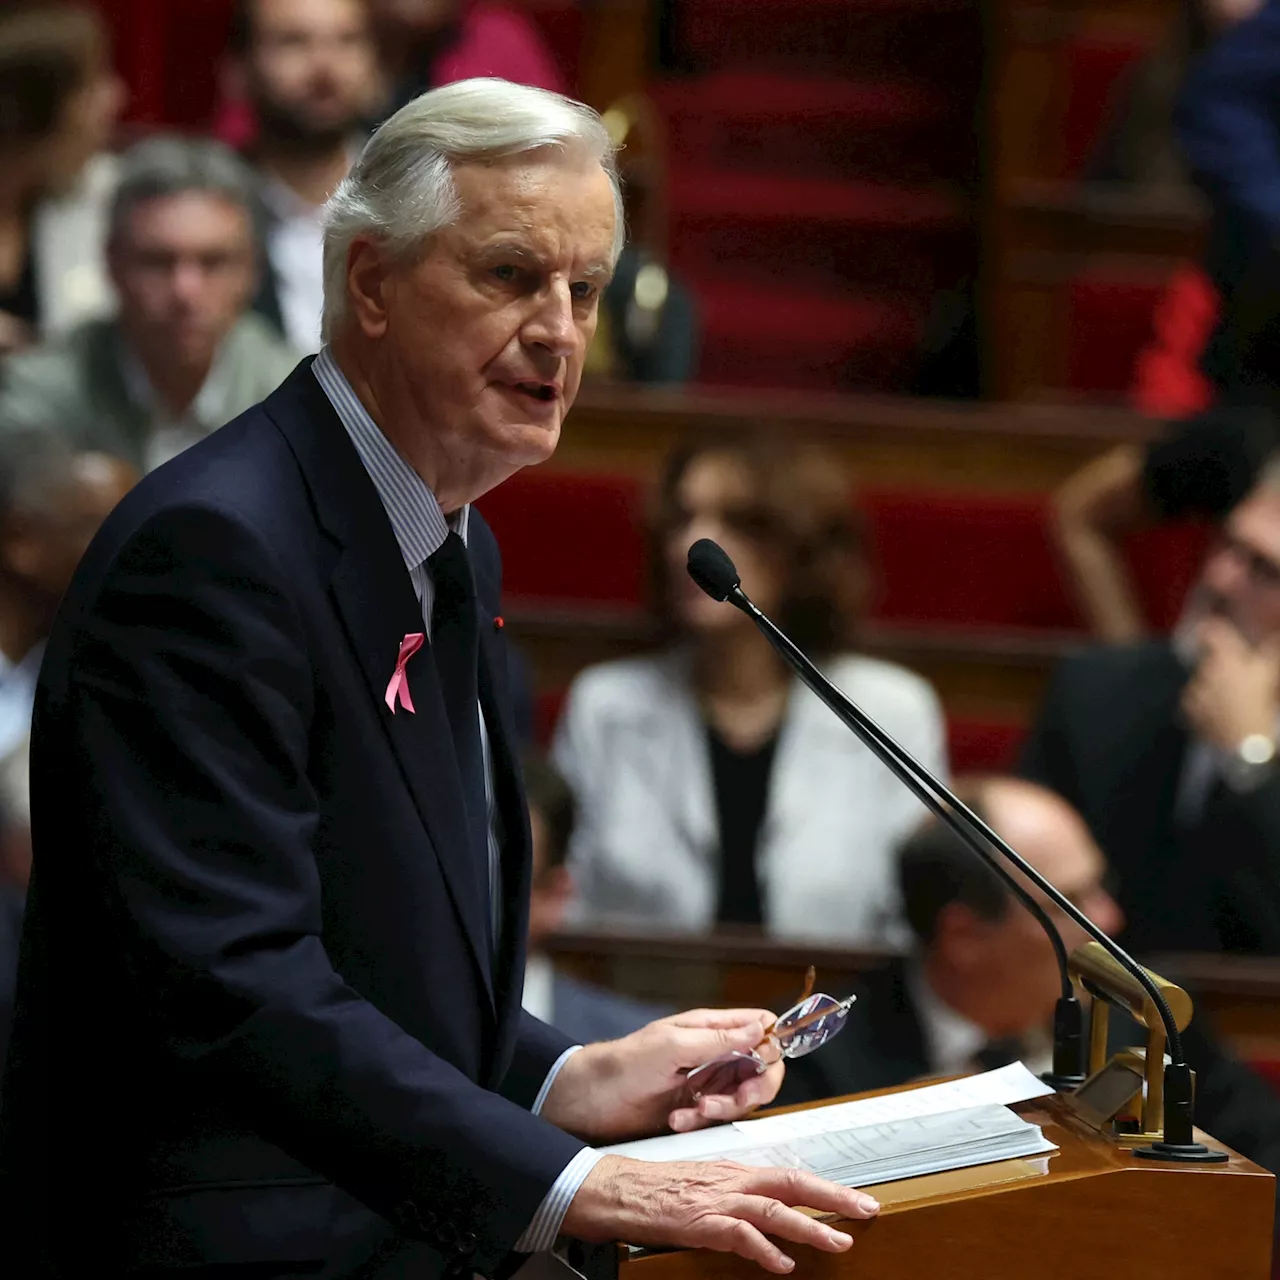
[(255, 994)]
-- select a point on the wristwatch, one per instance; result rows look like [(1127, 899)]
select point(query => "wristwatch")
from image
[(1251, 763)]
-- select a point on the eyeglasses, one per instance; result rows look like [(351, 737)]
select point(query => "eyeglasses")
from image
[(806, 1026)]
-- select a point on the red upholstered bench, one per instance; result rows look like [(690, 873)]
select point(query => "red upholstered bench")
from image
[(940, 559)]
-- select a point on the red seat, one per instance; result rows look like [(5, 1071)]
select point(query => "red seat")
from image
[(983, 744)]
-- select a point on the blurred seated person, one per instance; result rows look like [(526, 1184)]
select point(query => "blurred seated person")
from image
[(59, 103), (52, 501), (1167, 748), (309, 71), (648, 328), (980, 987), (427, 43), (1199, 468), (583, 1012), (1139, 150), (184, 355), (713, 788)]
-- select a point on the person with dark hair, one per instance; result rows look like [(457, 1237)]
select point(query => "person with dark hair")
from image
[(714, 789), (979, 988), (309, 71), (979, 985), (59, 102), (584, 1012), (182, 356)]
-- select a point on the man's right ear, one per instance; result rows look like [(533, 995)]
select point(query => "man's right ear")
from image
[(367, 272)]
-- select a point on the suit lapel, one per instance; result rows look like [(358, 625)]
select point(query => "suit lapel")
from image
[(376, 603), (509, 800)]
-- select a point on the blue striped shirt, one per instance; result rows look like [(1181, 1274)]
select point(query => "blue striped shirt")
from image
[(420, 528)]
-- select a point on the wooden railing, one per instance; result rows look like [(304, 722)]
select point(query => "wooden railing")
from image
[(1238, 995)]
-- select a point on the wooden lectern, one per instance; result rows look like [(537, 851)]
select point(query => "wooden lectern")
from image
[(1089, 1211)]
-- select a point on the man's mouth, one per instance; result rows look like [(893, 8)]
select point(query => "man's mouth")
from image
[(543, 391)]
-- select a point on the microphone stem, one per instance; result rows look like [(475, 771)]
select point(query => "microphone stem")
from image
[(926, 788)]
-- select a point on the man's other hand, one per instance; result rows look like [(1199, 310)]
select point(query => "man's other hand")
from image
[(1235, 689), (635, 1087), (716, 1205)]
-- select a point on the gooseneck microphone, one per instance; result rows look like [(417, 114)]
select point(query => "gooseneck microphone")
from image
[(710, 567)]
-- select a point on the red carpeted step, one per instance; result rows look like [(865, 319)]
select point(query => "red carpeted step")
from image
[(833, 35), (812, 233), (775, 337), (818, 125)]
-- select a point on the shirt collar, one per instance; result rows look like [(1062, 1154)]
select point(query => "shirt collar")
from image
[(952, 1041), (419, 524), (206, 410)]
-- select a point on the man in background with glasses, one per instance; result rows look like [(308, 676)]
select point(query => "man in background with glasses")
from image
[(1168, 750)]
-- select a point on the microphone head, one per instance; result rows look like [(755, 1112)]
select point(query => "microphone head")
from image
[(710, 567)]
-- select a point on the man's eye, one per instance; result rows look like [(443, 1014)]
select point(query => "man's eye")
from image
[(506, 273), (582, 290)]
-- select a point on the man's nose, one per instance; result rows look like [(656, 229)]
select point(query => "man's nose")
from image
[(187, 281), (552, 326)]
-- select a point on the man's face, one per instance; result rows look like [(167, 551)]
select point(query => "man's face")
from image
[(1241, 577), (1011, 959), (43, 548), (486, 332), (311, 69), (183, 267)]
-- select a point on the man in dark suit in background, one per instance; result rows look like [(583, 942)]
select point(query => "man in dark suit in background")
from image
[(268, 1017), (980, 990), (1168, 750)]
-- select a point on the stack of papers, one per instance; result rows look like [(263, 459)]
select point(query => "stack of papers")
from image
[(900, 1135)]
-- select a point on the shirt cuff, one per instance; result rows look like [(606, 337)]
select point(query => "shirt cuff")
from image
[(541, 1233), (556, 1068)]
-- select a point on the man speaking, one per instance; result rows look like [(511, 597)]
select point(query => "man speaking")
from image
[(269, 1012)]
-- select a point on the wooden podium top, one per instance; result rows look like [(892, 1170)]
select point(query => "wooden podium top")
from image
[(1089, 1209)]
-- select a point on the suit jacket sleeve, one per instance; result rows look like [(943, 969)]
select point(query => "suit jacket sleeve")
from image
[(538, 1049), (190, 691)]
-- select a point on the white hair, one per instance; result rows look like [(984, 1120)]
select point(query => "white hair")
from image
[(401, 188)]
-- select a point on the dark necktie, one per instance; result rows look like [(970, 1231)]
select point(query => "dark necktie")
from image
[(455, 645)]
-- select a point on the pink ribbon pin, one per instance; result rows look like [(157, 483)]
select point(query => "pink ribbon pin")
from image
[(399, 683)]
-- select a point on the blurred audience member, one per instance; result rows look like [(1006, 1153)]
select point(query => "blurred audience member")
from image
[(648, 329), (427, 43), (308, 69), (59, 102), (1140, 151), (1168, 750), (582, 1011), (1228, 120), (182, 357), (52, 500), (713, 788), (1201, 467), (980, 989)]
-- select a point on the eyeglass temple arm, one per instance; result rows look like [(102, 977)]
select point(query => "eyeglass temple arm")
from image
[(809, 1019)]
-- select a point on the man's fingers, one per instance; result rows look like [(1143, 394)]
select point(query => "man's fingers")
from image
[(693, 1046), (712, 1019), (735, 1235), (778, 1219), (799, 1187)]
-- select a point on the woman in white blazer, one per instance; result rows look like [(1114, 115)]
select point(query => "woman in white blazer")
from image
[(713, 788)]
